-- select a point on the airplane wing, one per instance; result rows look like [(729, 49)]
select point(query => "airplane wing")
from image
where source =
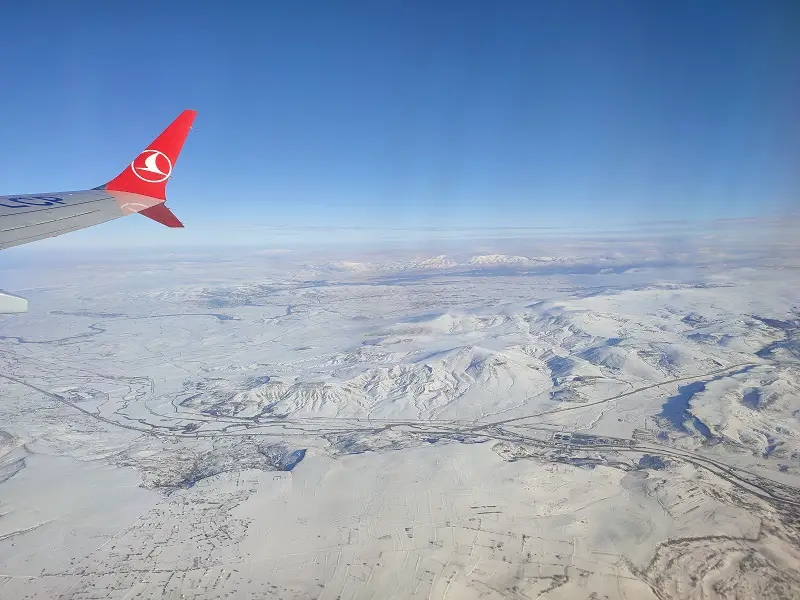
[(25, 219), (139, 188)]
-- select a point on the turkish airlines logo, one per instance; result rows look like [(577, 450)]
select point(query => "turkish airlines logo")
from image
[(152, 166)]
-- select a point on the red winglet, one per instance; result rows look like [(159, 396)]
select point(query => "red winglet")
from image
[(149, 172), (162, 214)]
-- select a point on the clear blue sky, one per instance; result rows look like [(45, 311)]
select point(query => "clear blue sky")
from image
[(412, 113)]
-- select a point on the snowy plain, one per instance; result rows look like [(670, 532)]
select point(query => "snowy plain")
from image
[(590, 417)]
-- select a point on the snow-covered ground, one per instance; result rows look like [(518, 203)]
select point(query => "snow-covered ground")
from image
[(571, 419)]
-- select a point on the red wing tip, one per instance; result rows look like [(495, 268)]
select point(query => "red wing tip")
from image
[(187, 114), (149, 172), (161, 214)]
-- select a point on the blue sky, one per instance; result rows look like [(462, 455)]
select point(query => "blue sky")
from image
[(410, 114)]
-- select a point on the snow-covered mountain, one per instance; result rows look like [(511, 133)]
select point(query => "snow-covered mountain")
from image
[(441, 262)]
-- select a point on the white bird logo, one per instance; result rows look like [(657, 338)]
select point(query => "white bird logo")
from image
[(150, 171)]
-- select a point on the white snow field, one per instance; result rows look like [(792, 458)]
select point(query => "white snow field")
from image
[(589, 419)]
